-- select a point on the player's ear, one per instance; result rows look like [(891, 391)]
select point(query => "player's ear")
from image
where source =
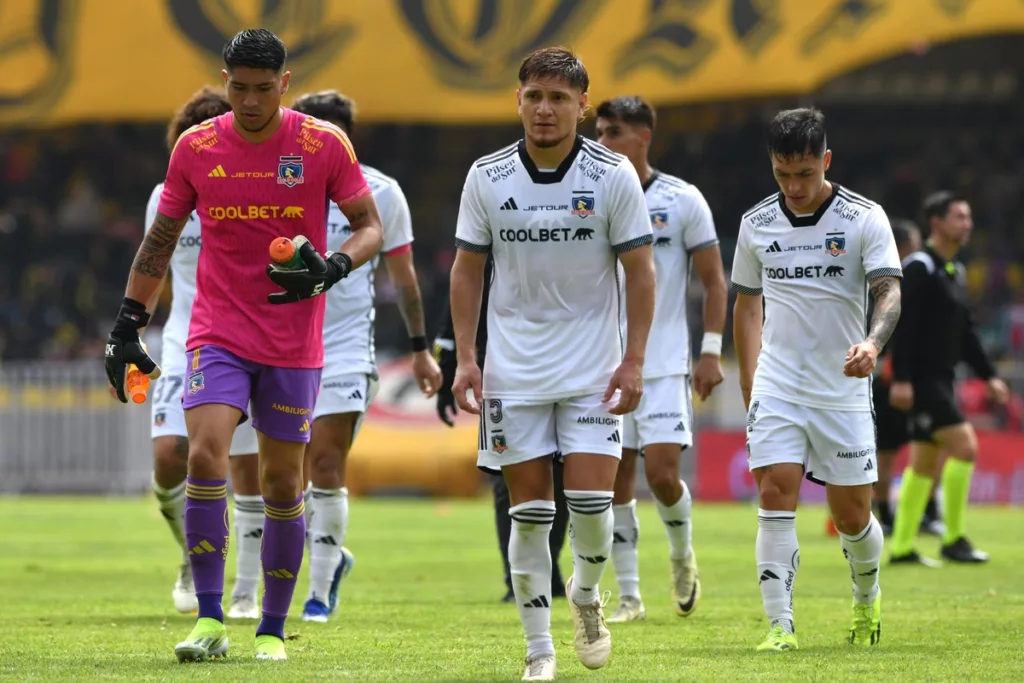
[(224, 75), (584, 106), (828, 158), (284, 81), (519, 100)]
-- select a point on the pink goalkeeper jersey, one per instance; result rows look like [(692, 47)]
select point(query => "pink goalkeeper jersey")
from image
[(247, 195)]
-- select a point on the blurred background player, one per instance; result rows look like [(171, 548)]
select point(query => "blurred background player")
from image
[(555, 356), (170, 438), (662, 425), (249, 178), (805, 364), (936, 333), (444, 352), (349, 381), (891, 424)]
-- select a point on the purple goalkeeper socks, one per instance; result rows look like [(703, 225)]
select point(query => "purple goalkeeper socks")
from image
[(284, 540), (206, 531)]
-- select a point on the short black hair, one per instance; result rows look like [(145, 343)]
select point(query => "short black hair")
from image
[(631, 109), (902, 230), (256, 48), (558, 62), (205, 104), (936, 205), (328, 105), (794, 133)]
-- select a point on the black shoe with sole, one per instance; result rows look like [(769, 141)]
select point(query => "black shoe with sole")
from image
[(961, 550), (913, 557)]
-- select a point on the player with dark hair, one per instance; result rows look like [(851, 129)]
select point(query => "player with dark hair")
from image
[(349, 381), (935, 334), (170, 438), (662, 426), (447, 408), (561, 215), (805, 364), (256, 173)]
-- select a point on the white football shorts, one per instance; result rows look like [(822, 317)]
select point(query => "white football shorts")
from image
[(665, 414)]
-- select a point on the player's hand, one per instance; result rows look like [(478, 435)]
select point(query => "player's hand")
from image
[(428, 375), (998, 392), (707, 375), (124, 347), (467, 376), (861, 359), (629, 381), (901, 396), (320, 274)]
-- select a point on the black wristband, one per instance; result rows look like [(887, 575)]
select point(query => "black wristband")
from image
[(344, 263), (418, 343), (132, 315)]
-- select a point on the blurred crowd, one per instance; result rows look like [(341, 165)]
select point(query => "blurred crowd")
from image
[(72, 202)]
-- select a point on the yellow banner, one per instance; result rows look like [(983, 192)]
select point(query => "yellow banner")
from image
[(454, 61)]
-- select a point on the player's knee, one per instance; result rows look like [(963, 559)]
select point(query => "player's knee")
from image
[(281, 483), (965, 447), (327, 465), (664, 483), (206, 461), (170, 459), (778, 493), (852, 519)]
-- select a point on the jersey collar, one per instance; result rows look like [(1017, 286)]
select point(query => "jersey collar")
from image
[(549, 177), (650, 181), (808, 221)]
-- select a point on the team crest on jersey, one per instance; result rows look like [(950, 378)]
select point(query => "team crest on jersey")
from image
[(498, 443), (582, 206), (835, 244), (659, 220), (289, 171), (160, 419), (195, 383)]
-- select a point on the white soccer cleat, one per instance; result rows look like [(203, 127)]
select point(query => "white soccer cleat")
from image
[(184, 593), (593, 639), (540, 668), (629, 609), (244, 607), (685, 585)]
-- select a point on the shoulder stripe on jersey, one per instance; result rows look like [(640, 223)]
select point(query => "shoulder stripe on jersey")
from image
[(922, 256), (601, 158), (494, 160), (884, 272), (602, 153), (469, 246), (377, 175), (193, 129), (336, 132), (497, 156), (760, 205), (853, 200), (672, 180), (632, 244), (748, 291), (703, 245), (855, 196)]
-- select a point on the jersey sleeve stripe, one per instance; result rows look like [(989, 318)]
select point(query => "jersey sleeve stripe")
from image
[(748, 291), (763, 203), (193, 129), (399, 250), (884, 272), (342, 138), (351, 198), (469, 246), (702, 245), (632, 244)]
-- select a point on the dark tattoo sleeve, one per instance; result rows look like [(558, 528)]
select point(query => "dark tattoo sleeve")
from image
[(158, 245), (886, 292), (410, 304), (357, 218)]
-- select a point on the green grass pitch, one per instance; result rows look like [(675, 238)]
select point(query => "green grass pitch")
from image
[(86, 596)]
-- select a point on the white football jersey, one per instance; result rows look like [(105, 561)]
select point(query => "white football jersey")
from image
[(682, 224), (814, 272), (350, 313), (184, 262), (553, 314)]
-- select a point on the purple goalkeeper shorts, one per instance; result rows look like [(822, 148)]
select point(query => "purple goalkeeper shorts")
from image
[(282, 399)]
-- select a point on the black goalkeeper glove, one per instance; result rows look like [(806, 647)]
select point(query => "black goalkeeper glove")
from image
[(319, 275), (124, 347), (445, 398)]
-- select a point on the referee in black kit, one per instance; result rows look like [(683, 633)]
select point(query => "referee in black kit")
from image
[(935, 333), (444, 354)]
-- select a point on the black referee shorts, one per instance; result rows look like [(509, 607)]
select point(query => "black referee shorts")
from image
[(892, 426), (934, 408)]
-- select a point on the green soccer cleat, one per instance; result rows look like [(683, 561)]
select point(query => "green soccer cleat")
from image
[(867, 623), (270, 648), (778, 640), (209, 639)]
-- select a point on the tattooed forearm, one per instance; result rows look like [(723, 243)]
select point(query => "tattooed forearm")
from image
[(886, 292), (154, 255), (411, 306)]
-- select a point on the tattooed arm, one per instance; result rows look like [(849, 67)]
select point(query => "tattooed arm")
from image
[(154, 257), (886, 293), (367, 234), (402, 271)]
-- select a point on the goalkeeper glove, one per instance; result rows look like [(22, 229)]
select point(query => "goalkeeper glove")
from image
[(444, 354), (124, 347), (318, 276)]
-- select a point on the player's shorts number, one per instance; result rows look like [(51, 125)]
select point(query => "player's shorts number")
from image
[(494, 410), (166, 389)]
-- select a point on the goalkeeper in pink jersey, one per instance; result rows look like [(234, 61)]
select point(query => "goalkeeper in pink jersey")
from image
[(259, 172)]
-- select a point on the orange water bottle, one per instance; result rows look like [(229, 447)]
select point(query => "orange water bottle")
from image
[(137, 384), (285, 253)]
